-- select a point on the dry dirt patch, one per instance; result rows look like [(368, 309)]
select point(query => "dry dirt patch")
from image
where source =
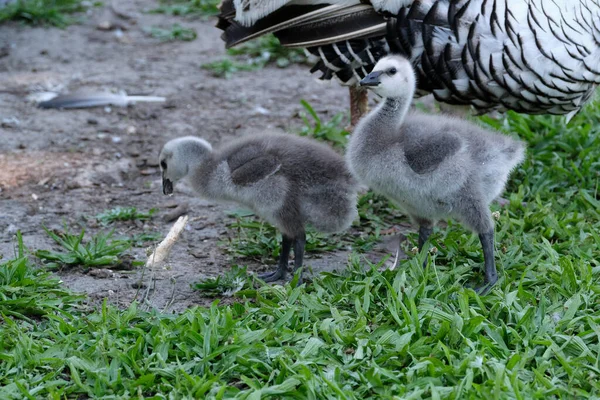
[(37, 167)]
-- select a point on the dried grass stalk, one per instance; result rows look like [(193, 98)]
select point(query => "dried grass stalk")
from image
[(161, 252)]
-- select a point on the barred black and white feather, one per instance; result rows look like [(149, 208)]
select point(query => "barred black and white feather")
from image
[(531, 56)]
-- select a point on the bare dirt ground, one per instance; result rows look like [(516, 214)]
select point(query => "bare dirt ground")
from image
[(59, 166)]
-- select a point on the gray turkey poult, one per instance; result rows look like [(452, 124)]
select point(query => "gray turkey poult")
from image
[(287, 180), (435, 167), (530, 56)]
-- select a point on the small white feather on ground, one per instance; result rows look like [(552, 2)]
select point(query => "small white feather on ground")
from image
[(86, 98), (163, 249)]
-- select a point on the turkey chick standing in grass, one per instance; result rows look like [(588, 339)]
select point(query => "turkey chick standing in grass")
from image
[(287, 180), (433, 166)]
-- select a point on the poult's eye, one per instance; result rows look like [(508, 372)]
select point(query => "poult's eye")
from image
[(392, 71), (163, 165)]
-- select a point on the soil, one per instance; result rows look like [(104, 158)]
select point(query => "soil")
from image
[(63, 166)]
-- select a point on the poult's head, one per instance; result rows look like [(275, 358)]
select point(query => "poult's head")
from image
[(392, 76), (179, 156)]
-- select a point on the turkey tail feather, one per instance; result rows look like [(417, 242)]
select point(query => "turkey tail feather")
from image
[(347, 37), (350, 22), (284, 18), (307, 25)]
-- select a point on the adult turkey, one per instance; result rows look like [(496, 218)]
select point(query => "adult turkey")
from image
[(530, 56)]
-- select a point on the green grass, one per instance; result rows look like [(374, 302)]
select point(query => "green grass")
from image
[(124, 214), (358, 335), (100, 251), (267, 49), (255, 55), (175, 32), (143, 239), (331, 131), (191, 8), (228, 284), (42, 12), (26, 291), (227, 67), (408, 333)]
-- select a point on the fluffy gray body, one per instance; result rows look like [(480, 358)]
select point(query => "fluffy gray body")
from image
[(434, 166), (287, 180)]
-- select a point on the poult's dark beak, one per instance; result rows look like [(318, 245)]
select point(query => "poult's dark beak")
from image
[(167, 186), (372, 79)]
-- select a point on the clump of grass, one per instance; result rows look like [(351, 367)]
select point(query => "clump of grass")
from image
[(330, 131), (142, 239), (124, 214), (228, 284), (252, 238), (254, 55), (191, 8), (376, 211), (26, 291), (175, 32), (227, 67), (100, 251), (260, 241), (41, 12), (267, 49)]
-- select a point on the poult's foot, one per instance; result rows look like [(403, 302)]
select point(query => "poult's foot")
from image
[(485, 288), (272, 276)]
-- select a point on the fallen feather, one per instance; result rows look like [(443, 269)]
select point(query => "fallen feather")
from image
[(87, 99), (40, 97)]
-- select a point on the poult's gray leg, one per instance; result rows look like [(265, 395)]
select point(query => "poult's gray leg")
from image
[(424, 233), (477, 216), (284, 255), (491, 275), (299, 244)]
